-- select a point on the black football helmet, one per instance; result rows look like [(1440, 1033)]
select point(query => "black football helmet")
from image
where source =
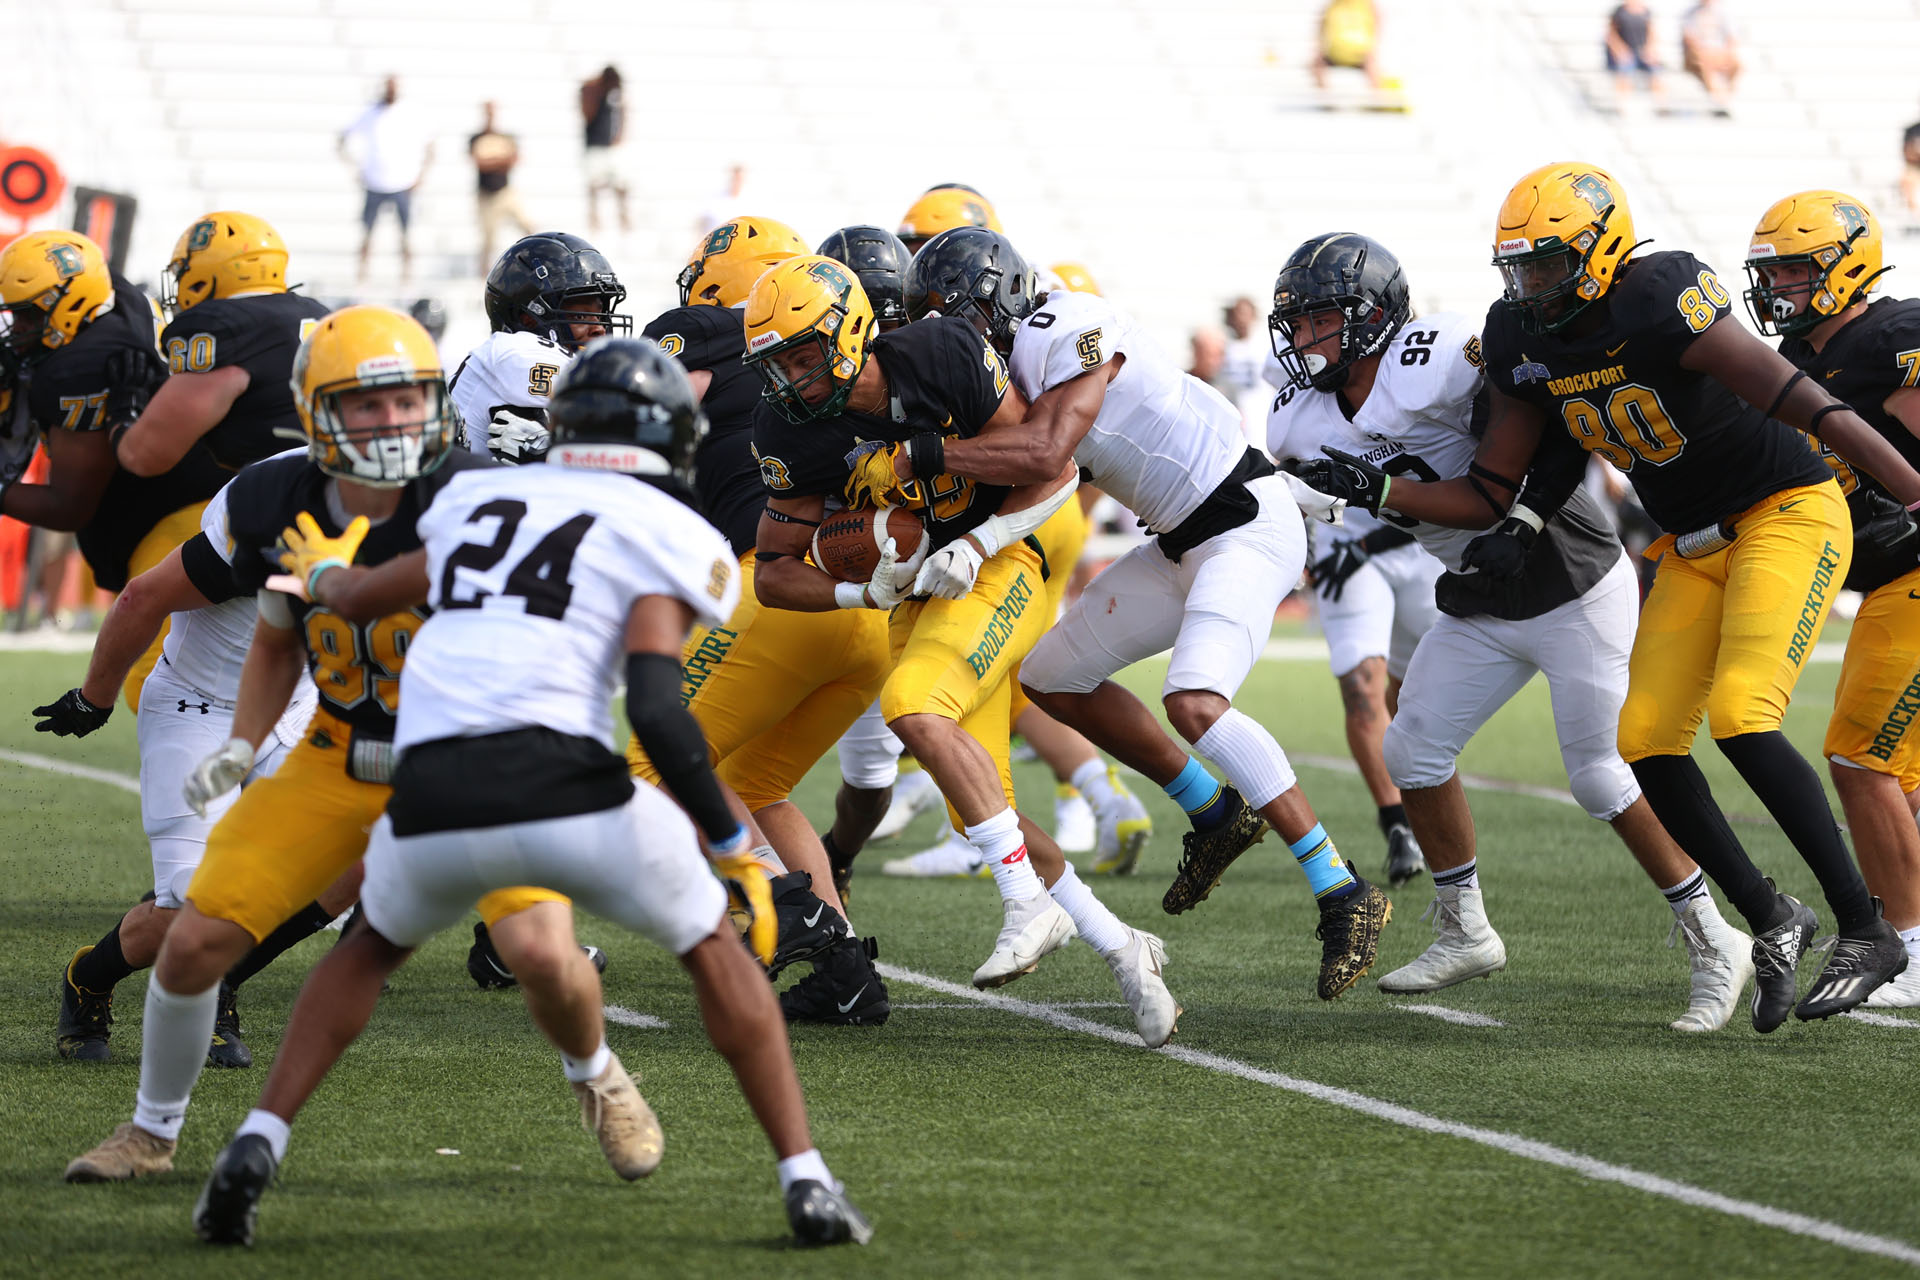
[(976, 273), (624, 404), (548, 282), (880, 260), (1349, 273)]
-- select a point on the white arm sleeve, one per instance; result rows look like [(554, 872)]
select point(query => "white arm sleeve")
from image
[(1001, 531)]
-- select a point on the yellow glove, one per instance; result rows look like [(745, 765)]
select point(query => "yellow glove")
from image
[(875, 483), (747, 885), (308, 552)]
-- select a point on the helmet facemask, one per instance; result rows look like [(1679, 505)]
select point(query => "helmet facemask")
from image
[(1795, 309), (1292, 328), (788, 376), (555, 318), (1549, 284), (354, 440)]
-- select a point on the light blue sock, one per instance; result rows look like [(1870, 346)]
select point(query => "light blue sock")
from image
[(1196, 791), (1327, 875)]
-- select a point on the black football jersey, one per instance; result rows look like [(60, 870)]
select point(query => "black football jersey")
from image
[(941, 376), (356, 666), (1695, 452), (726, 476), (259, 334), (1872, 356), (71, 391)]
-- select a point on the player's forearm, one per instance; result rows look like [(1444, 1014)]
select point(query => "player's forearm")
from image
[(46, 506), (268, 678), (361, 594), (789, 582), (1025, 510), (1848, 435), (1009, 456), (129, 629), (1452, 504)]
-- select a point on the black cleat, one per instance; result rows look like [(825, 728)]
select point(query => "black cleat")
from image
[(230, 1202), (596, 955), (1405, 861), (1858, 967), (227, 1049), (1206, 855), (843, 990), (1349, 933), (85, 1018), (485, 966), (1776, 958), (820, 1214), (808, 926)]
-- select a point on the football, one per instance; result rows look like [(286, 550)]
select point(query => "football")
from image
[(847, 544)]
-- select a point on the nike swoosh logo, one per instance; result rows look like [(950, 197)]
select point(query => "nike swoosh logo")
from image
[(814, 919), (1788, 506), (1913, 595), (1614, 351), (856, 998), (1832, 372)]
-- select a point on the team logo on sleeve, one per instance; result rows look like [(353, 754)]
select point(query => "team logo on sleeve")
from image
[(673, 344), (1472, 352), (773, 472), (1088, 349), (718, 577), (1529, 371)]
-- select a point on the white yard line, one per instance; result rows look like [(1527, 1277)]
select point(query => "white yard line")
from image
[(1512, 1144), (1881, 1019), (1052, 1004), (29, 760), (632, 1017), (1460, 1017)]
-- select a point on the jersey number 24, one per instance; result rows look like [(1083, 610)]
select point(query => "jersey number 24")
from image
[(541, 579)]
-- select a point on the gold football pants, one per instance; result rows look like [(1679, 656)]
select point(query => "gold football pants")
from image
[(1879, 693)]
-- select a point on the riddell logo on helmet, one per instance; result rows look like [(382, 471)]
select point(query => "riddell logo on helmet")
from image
[(1760, 250), (1518, 245), (379, 365), (759, 340)]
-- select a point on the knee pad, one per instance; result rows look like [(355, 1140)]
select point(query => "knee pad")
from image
[(1604, 787), (1413, 761), (175, 859)]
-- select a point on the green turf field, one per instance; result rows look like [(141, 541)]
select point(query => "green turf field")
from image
[(1018, 1137)]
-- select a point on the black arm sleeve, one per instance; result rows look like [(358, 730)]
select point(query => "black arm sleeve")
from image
[(1385, 538), (211, 576), (672, 739), (1555, 474)]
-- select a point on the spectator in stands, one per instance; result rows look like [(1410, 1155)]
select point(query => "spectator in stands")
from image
[(390, 146), (604, 108), (1630, 48), (1707, 50), (1349, 37), (1209, 355), (1910, 172), (1247, 352), (494, 155)]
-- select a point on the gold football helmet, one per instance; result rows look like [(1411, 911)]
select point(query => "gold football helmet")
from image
[(808, 323), (1562, 235), (942, 209), (1814, 254), (380, 443), (732, 256), (221, 254), (52, 283), (1076, 278)]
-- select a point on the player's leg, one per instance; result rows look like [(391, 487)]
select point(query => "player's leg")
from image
[(169, 532), (1119, 827), (869, 757), (1412, 572)]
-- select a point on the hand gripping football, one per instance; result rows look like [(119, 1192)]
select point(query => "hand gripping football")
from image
[(847, 543)]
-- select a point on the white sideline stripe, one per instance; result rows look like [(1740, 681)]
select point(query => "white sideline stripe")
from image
[(632, 1017), (28, 760), (47, 641), (1512, 1143), (1057, 1004), (1881, 1019), (1460, 1016)]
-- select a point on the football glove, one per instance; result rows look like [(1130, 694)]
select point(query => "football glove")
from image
[(950, 572), (71, 716), (1503, 552), (876, 484), (514, 437), (218, 774), (306, 552), (883, 589), (1355, 481), (745, 877), (132, 374), (1330, 572)]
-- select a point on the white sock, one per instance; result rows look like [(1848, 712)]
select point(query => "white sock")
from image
[(173, 1049), (999, 841), (1099, 927), (807, 1165), (1912, 938), (269, 1126), (581, 1070), (1249, 756), (766, 857), (1464, 876), (1091, 781), (1689, 890)]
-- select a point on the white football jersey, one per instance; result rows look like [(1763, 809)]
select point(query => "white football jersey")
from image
[(1163, 440), (532, 572), (1417, 421), (514, 369)]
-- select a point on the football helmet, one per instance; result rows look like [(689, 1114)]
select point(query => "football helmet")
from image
[(1835, 237), (1562, 235), (805, 306), (223, 253), (976, 273), (880, 260), (550, 281), (732, 256), (365, 348), (942, 209), (623, 404), (1344, 273), (52, 283), (1075, 278)]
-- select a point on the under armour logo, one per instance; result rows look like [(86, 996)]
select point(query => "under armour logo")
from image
[(184, 704)]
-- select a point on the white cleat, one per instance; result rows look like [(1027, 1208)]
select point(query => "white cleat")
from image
[(953, 858), (1125, 829), (914, 793), (1465, 945), (1722, 960), (1137, 966), (1073, 828), (1901, 992), (1032, 928)]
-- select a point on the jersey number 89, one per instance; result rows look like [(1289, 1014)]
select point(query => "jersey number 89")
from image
[(354, 662)]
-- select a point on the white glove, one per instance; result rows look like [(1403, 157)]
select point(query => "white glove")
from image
[(1315, 503), (884, 588), (218, 774), (950, 571), (515, 438)]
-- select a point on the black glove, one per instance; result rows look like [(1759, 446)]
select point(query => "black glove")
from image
[(1503, 552), (132, 374), (1342, 475), (1330, 572), (72, 716)]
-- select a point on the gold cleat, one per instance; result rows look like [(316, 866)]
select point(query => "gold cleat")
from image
[(615, 1114), (131, 1152)]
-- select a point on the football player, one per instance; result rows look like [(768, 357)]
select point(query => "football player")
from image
[(963, 617), (943, 208), (1593, 350), (500, 776), (186, 712), (1367, 378), (548, 295), (1813, 261), (1228, 547), (373, 403), (79, 362), (229, 342)]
